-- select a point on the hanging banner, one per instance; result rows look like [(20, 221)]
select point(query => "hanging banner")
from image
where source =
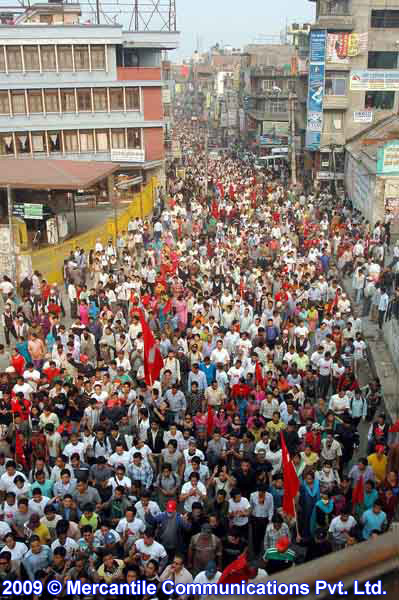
[(318, 40), (342, 46), (358, 43), (363, 116), (378, 81)]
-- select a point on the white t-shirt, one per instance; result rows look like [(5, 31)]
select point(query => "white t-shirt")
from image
[(18, 552), (359, 349), (325, 366), (120, 459), (202, 578), (7, 481), (155, 551), (70, 546), (131, 528), (243, 504), (188, 503), (338, 528), (70, 449)]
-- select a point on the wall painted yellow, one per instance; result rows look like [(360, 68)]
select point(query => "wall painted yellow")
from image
[(50, 261)]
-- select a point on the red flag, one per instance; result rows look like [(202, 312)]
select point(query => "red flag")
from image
[(168, 307), (291, 481), (358, 492), (258, 374), (19, 449), (215, 210), (394, 428), (242, 287), (239, 570), (153, 361), (210, 423)]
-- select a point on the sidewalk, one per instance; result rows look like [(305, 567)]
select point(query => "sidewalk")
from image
[(381, 363)]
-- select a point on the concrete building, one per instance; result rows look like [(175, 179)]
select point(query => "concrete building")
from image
[(359, 69), (82, 91)]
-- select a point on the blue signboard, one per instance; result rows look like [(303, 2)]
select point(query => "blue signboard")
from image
[(314, 127)]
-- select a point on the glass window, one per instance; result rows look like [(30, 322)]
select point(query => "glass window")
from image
[(382, 60), (51, 101), (2, 60), (47, 54), (71, 141), (118, 138), (6, 144), (385, 19), (35, 101), (102, 140), (65, 58), (97, 58), (18, 103), (133, 138), (132, 98), (335, 85), (116, 98), (38, 142), (86, 141), (4, 104), (22, 140), (31, 58), (68, 100), (54, 141), (100, 99), (81, 58), (84, 100), (380, 100), (14, 58)]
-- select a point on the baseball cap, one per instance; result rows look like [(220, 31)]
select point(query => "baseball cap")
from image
[(171, 506), (109, 538)]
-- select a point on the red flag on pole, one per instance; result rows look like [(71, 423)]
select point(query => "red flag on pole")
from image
[(358, 492), (153, 361), (168, 307), (210, 423), (258, 374), (19, 449), (237, 571), (291, 481)]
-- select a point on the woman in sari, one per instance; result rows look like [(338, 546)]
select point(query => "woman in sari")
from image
[(309, 495), (323, 513)]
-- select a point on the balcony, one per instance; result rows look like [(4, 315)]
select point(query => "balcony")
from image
[(139, 74), (263, 115), (334, 8), (335, 102)]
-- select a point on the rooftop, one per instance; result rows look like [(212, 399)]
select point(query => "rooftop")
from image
[(45, 174)]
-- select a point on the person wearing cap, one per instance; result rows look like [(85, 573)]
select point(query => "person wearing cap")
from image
[(280, 557), (170, 527), (378, 461), (209, 575)]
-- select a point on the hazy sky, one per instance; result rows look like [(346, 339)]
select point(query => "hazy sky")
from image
[(235, 22)]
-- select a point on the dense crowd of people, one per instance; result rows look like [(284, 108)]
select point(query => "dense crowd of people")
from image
[(106, 476)]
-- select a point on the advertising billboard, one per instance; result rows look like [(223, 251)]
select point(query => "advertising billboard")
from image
[(316, 80)]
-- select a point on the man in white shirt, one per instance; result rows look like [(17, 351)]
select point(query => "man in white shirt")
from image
[(239, 510), (220, 354), (149, 549), (210, 575)]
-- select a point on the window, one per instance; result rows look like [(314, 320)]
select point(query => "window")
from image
[(47, 54), (118, 138), (385, 19), (380, 100), (133, 138), (2, 60), (54, 141), (86, 141), (276, 106), (334, 8), (65, 58), (6, 144), (81, 58), (35, 101), (31, 58), (335, 85), (14, 58), (84, 100), (4, 104), (71, 141), (382, 60), (102, 141), (132, 98), (100, 99), (97, 58), (116, 98), (51, 101), (68, 101), (267, 84), (38, 142), (22, 141), (18, 103)]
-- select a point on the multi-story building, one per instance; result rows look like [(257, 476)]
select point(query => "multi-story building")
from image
[(360, 75), (81, 90)]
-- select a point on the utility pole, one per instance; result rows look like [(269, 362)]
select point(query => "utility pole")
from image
[(206, 162), (98, 11), (293, 145), (12, 241)]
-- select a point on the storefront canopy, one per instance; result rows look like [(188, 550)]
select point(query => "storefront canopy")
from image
[(53, 174)]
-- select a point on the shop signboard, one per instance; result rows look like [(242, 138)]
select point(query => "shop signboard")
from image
[(388, 158), (33, 211), (392, 199), (128, 155), (363, 116), (378, 81), (316, 80)]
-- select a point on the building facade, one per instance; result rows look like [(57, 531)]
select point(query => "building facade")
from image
[(81, 91), (358, 73)]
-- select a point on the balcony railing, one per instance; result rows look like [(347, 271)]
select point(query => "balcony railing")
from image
[(335, 8)]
